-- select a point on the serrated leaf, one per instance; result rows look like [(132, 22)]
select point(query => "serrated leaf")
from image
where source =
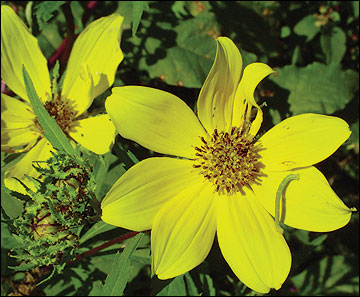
[(317, 88), (117, 279), (333, 45), (52, 131)]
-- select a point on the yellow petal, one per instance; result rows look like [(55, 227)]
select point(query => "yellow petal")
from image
[(155, 119), (183, 231), (244, 98), (302, 141), (18, 48), (17, 125), (97, 134), (309, 202), (251, 245), (216, 97), (40, 152), (93, 61), (137, 196)]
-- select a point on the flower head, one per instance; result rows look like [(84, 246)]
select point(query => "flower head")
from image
[(226, 181), (91, 69)]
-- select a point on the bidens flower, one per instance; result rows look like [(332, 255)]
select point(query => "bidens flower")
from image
[(224, 182), (91, 69)]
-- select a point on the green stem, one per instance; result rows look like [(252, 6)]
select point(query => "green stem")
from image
[(279, 194)]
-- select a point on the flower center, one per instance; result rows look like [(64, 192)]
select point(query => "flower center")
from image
[(62, 111), (229, 160)]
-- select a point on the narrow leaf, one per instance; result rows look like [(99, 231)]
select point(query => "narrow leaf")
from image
[(137, 10), (118, 277), (52, 131)]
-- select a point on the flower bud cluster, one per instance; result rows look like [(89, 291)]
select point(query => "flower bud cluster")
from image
[(54, 213)]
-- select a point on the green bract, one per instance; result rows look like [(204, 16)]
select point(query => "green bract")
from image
[(63, 201)]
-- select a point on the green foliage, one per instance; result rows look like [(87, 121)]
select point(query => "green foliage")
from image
[(52, 131), (317, 87), (313, 46), (45, 11), (45, 230), (120, 270)]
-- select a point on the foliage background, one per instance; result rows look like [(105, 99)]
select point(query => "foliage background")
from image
[(169, 45)]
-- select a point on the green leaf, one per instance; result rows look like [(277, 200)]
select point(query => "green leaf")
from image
[(45, 11), (307, 27), (190, 285), (52, 131), (117, 279), (137, 11), (176, 287), (317, 88), (97, 228), (328, 276), (12, 206), (333, 44), (186, 60)]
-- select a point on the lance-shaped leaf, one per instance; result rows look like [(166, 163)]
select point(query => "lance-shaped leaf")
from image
[(118, 277), (52, 131)]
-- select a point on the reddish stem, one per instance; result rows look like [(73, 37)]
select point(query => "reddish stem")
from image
[(70, 36), (59, 52), (103, 246)]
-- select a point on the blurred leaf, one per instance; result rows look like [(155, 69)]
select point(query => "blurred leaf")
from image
[(44, 11), (208, 285), (121, 268), (328, 276), (285, 32), (355, 8), (333, 44), (178, 8), (7, 240), (354, 137), (245, 23), (317, 88), (12, 206), (307, 27)]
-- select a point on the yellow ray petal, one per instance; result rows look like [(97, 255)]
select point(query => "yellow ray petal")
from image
[(97, 134), (18, 48), (155, 119), (93, 61), (183, 231), (216, 97), (17, 125), (309, 202), (302, 141), (40, 152), (244, 98), (250, 243), (137, 196)]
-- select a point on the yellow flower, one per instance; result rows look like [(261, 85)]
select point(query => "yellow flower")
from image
[(224, 182), (91, 69)]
